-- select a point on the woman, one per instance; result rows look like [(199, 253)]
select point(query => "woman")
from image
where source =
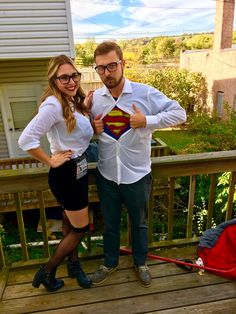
[(63, 117)]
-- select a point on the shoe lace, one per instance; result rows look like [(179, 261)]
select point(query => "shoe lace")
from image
[(143, 268), (103, 268)]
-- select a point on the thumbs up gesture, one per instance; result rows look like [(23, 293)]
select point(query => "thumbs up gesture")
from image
[(98, 124), (138, 119)]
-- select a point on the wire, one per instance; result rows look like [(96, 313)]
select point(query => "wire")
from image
[(115, 32), (143, 6)]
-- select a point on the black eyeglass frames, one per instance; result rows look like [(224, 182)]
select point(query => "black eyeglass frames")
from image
[(65, 79), (111, 67)]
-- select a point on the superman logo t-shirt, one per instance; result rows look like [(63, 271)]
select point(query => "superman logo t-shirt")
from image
[(116, 122)]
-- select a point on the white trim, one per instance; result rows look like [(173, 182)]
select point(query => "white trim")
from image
[(70, 29), (4, 119)]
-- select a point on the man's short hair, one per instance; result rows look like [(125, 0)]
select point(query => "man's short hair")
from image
[(107, 46)]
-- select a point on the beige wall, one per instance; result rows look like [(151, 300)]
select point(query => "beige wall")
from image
[(219, 69)]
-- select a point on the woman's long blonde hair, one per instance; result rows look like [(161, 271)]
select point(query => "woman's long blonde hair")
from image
[(53, 90)]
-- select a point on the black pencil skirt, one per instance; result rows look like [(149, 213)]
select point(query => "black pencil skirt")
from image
[(70, 192)]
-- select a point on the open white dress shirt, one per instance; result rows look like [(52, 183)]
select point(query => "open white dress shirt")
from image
[(127, 159)]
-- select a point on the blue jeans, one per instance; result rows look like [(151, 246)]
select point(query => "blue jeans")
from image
[(135, 197)]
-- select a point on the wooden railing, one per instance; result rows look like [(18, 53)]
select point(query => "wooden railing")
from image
[(193, 165), (29, 199), (167, 168)]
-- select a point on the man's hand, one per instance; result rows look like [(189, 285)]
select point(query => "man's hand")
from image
[(98, 124), (138, 119), (88, 100)]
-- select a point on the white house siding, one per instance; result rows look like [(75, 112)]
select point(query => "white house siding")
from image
[(22, 71), (35, 29)]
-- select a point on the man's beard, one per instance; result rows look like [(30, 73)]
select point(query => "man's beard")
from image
[(111, 82)]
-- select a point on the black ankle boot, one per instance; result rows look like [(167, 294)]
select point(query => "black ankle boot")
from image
[(47, 279), (75, 271)]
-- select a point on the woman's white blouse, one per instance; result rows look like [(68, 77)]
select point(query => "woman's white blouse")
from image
[(50, 121)]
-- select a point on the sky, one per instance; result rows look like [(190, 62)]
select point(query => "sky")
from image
[(126, 19)]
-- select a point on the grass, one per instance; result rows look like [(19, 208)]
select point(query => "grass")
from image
[(176, 139)]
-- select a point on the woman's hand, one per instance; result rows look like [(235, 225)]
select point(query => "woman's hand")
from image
[(60, 158)]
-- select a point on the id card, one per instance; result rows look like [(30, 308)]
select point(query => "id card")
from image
[(81, 167)]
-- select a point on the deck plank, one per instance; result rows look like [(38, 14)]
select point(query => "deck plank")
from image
[(217, 307), (120, 291), (153, 302), (173, 290), (122, 276)]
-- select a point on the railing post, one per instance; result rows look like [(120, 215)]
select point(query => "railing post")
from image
[(171, 208), (2, 257), (43, 223), (229, 210), (192, 187), (211, 200), (21, 227)]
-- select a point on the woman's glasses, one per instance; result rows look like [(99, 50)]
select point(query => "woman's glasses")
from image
[(65, 79)]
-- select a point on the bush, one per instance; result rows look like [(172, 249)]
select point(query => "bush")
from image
[(212, 133), (188, 88)]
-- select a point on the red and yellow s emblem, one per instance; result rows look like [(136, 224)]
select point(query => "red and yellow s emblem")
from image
[(116, 123)]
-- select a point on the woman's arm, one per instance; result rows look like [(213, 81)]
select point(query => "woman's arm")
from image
[(54, 161)]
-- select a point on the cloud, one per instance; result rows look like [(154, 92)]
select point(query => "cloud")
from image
[(93, 18), (117, 19)]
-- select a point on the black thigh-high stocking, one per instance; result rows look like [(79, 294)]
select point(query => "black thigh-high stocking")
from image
[(66, 228), (64, 249)]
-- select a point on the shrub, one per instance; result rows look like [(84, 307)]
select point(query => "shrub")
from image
[(188, 88)]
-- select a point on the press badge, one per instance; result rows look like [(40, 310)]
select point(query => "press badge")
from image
[(81, 167)]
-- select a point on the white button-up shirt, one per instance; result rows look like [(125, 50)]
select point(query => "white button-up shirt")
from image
[(127, 159), (50, 121)]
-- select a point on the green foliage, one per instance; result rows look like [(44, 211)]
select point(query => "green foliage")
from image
[(84, 52), (149, 50), (234, 37), (166, 47), (213, 133), (223, 191), (200, 41), (188, 88)]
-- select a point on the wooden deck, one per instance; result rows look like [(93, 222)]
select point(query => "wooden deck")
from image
[(173, 290)]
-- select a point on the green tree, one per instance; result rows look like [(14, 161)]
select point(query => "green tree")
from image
[(165, 47), (84, 52), (200, 41)]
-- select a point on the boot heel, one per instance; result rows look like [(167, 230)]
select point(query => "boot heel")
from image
[(37, 279), (47, 279), (36, 284)]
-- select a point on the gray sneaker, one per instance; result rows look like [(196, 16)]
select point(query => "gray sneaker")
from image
[(102, 273), (143, 274)]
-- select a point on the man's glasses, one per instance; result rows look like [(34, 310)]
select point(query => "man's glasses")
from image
[(111, 67), (65, 79)]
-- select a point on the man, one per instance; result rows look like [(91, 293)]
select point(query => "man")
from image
[(125, 115)]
